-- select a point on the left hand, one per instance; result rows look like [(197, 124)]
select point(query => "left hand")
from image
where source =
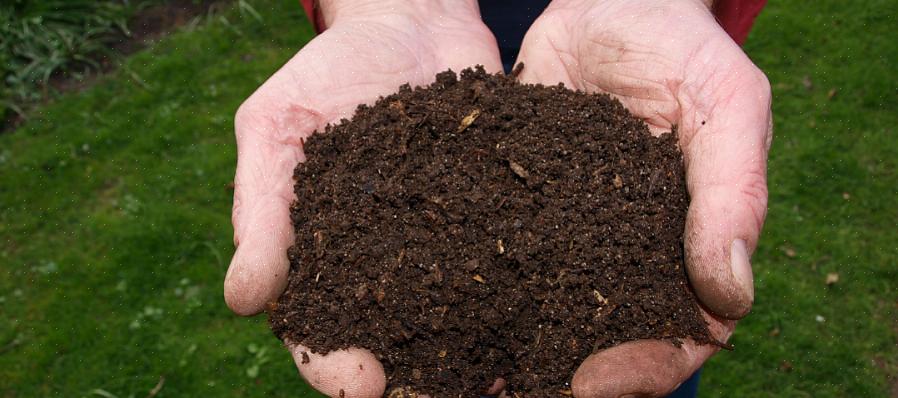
[(370, 48), (671, 64)]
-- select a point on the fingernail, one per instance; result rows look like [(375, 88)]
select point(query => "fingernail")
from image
[(740, 262)]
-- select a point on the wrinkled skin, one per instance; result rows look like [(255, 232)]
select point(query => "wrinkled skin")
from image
[(667, 60), (670, 63)]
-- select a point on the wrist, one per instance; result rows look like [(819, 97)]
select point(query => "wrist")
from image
[(340, 11)]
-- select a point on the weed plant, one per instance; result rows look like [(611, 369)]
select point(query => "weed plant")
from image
[(43, 38)]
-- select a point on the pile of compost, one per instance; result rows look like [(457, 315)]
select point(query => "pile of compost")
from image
[(481, 228)]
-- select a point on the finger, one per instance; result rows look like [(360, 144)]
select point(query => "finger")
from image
[(645, 367), (725, 144), (267, 152), (350, 373)]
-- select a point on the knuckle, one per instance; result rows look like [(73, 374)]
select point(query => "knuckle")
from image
[(754, 185), (756, 84), (754, 188), (281, 123), (247, 112), (237, 216)]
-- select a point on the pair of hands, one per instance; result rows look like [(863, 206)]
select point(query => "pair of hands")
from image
[(667, 61)]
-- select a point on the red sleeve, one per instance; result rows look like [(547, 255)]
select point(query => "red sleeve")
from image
[(737, 16), (314, 15)]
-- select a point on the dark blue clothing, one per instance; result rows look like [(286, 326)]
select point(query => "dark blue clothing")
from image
[(689, 388), (509, 21)]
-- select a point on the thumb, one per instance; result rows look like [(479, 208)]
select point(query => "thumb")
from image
[(726, 168), (269, 145)]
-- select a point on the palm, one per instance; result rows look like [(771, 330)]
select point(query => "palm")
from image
[(670, 64), (667, 63), (353, 62)]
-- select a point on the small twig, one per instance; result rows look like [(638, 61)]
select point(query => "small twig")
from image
[(652, 180), (517, 70), (158, 387), (103, 393), (725, 346)]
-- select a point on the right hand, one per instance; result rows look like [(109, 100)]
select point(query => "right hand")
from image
[(370, 48), (671, 64)]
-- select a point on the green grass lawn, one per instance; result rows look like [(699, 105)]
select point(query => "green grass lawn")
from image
[(115, 219)]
